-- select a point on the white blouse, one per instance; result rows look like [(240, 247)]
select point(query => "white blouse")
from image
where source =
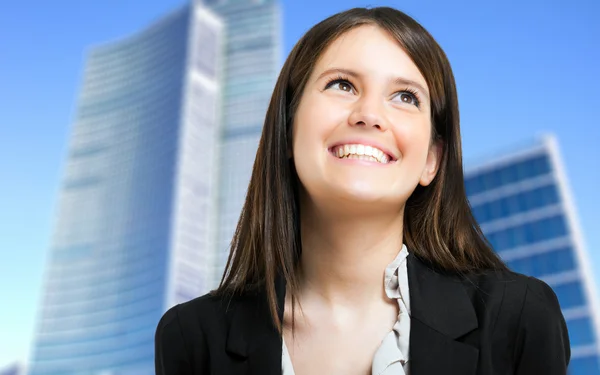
[(392, 355)]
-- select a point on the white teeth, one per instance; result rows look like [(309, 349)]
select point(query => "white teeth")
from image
[(361, 157), (360, 149), (362, 152)]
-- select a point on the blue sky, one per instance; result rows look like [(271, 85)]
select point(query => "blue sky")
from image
[(522, 68)]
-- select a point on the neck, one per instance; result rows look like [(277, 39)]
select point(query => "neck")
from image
[(344, 254)]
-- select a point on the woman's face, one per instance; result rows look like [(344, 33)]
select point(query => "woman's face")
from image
[(362, 129)]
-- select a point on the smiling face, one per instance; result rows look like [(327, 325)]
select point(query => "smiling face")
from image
[(362, 130)]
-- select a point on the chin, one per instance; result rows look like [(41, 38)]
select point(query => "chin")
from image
[(363, 194)]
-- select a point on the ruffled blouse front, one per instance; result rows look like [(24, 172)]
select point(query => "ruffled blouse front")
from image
[(391, 358)]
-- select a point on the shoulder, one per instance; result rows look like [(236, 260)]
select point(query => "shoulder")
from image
[(542, 344), (509, 284), (185, 333), (527, 294), (498, 284), (541, 314), (210, 314), (208, 310), (527, 310), (523, 300)]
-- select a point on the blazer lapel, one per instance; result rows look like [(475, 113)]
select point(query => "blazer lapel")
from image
[(253, 340), (441, 312)]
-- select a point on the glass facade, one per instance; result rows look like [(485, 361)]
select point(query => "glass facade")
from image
[(122, 231), (160, 156), (253, 54), (524, 208), (192, 253)]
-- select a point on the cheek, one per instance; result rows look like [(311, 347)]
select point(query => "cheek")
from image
[(304, 139), (413, 139), (301, 134), (314, 121)]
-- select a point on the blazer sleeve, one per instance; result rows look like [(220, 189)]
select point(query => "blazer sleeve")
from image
[(542, 343), (170, 353)]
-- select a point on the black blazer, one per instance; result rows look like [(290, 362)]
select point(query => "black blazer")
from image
[(494, 323)]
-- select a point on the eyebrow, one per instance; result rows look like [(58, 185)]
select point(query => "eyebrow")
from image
[(352, 73)]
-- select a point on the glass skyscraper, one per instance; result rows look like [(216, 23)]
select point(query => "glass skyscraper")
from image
[(525, 209), (133, 231), (253, 50)]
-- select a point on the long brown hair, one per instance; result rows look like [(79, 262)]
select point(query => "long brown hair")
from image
[(439, 226)]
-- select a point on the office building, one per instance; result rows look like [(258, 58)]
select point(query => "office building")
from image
[(253, 50), (523, 203), (137, 199)]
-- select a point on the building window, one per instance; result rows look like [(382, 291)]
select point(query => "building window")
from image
[(528, 233), (570, 295), (206, 50), (585, 365), (580, 332), (551, 262), (507, 175)]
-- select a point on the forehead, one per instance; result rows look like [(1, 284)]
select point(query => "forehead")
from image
[(371, 51)]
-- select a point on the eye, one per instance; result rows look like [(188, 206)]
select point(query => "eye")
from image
[(341, 84), (408, 97)]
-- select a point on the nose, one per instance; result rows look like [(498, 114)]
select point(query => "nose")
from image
[(368, 112)]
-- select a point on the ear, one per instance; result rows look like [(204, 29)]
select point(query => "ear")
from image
[(434, 157)]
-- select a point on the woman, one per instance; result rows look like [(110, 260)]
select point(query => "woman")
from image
[(356, 251)]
